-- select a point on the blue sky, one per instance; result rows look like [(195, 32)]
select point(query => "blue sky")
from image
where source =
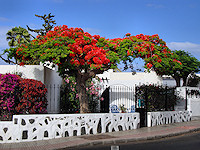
[(175, 21)]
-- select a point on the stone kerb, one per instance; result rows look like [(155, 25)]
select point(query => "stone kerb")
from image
[(43, 127), (167, 117)]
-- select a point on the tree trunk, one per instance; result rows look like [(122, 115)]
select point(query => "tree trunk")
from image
[(81, 88), (81, 78)]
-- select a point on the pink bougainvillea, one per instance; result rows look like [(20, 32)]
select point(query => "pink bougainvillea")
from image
[(8, 82), (19, 96)]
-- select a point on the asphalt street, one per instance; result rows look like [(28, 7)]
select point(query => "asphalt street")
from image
[(189, 141)]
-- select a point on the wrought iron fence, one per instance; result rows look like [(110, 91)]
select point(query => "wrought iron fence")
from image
[(155, 98), (151, 98), (123, 97), (60, 100)]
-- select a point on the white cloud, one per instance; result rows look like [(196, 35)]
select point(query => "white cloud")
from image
[(2, 19), (155, 5), (92, 31), (192, 48), (58, 1)]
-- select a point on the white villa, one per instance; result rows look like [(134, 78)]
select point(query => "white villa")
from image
[(110, 78)]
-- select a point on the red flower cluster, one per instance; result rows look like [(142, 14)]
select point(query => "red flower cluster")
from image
[(80, 49), (174, 60), (128, 34), (149, 65), (82, 46), (150, 48)]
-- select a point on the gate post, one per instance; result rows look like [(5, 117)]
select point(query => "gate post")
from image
[(166, 98), (146, 107), (186, 93)]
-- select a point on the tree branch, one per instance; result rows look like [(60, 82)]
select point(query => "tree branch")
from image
[(7, 61), (92, 73)]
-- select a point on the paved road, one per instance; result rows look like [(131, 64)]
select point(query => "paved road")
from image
[(184, 142)]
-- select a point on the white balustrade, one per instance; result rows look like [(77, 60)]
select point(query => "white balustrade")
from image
[(167, 117), (42, 127)]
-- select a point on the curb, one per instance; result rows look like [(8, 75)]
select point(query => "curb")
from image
[(129, 140)]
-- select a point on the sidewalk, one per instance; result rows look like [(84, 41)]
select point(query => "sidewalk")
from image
[(141, 134)]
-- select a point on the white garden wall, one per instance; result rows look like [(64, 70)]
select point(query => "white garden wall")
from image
[(26, 128), (167, 117)]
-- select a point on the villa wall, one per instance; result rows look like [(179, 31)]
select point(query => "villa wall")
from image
[(128, 79), (53, 82), (25, 128), (28, 71)]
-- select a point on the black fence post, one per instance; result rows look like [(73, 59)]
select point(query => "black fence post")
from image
[(186, 93), (166, 98), (146, 105), (135, 96)]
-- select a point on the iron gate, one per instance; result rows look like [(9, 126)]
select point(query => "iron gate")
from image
[(152, 98)]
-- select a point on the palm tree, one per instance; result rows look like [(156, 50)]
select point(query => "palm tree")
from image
[(15, 36), (18, 35)]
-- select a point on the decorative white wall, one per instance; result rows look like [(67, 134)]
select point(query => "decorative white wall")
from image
[(167, 117), (25, 128)]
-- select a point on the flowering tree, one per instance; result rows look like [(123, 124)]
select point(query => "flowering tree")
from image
[(79, 54)]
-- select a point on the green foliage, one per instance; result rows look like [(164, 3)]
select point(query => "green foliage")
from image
[(69, 101), (193, 80), (15, 36), (189, 64), (185, 65), (18, 35), (122, 108)]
